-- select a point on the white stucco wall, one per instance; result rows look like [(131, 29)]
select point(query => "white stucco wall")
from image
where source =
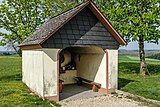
[(69, 76), (92, 67), (112, 69), (32, 70), (67, 57), (50, 71), (101, 74), (39, 68)]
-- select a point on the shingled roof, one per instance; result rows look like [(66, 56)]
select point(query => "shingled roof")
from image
[(54, 24)]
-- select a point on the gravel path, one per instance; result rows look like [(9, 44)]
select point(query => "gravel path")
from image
[(102, 101)]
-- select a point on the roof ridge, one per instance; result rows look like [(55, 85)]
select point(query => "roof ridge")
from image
[(55, 23), (69, 9)]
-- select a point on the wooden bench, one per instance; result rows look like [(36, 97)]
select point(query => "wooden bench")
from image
[(95, 86)]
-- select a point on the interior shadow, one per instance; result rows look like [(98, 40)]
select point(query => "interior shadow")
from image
[(122, 82), (74, 92), (71, 90)]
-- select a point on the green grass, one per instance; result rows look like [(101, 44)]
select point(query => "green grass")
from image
[(13, 93), (135, 59), (131, 81)]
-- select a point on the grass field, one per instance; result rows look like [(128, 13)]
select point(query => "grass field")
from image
[(13, 93), (131, 81), (125, 58)]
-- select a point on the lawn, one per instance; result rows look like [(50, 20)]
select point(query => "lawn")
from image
[(131, 81), (13, 93)]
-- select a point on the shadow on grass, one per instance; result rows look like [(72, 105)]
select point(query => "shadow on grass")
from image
[(129, 67), (133, 67), (7, 92), (122, 82), (16, 77)]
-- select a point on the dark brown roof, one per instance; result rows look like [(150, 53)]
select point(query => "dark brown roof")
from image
[(55, 23), (51, 26)]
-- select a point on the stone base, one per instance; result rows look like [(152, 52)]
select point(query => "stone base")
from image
[(52, 98), (108, 91)]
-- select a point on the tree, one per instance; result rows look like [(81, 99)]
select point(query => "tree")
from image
[(22, 17), (136, 20)]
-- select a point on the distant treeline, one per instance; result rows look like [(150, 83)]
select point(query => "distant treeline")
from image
[(148, 53), (155, 56), (7, 53)]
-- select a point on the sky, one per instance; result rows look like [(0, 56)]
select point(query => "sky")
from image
[(1, 47), (147, 46), (130, 46)]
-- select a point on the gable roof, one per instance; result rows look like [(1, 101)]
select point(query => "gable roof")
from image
[(54, 24)]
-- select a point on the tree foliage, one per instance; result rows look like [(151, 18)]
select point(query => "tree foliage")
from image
[(22, 17), (133, 18), (136, 20)]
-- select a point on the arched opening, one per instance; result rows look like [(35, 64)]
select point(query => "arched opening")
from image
[(82, 70)]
